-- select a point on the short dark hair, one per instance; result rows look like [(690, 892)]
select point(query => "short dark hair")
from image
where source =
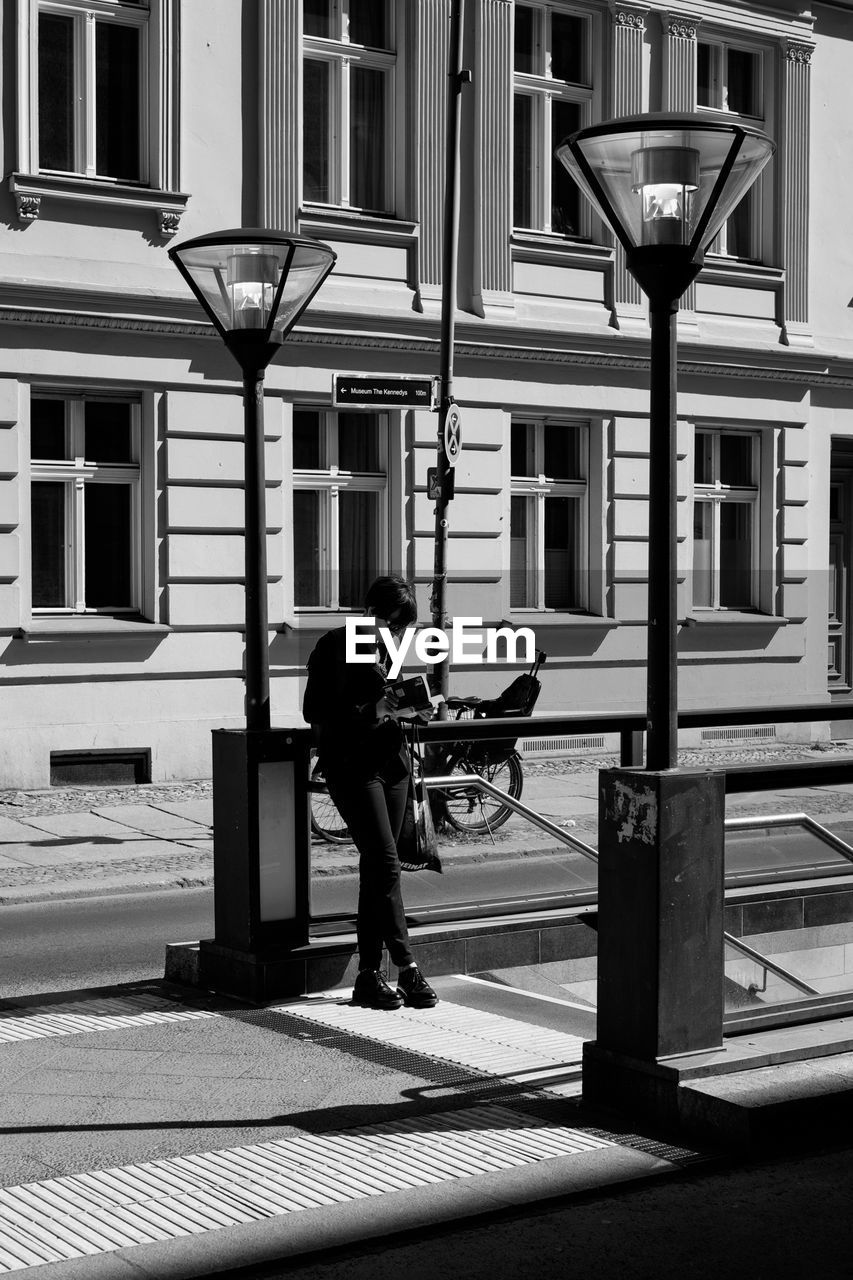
[(389, 595)]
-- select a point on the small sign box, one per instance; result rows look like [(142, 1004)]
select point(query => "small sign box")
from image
[(367, 391)]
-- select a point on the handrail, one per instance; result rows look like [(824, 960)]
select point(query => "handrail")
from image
[(770, 965), (784, 819), (627, 722), (452, 781)]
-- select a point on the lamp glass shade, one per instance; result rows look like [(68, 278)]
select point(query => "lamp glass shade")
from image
[(660, 181), (252, 284)]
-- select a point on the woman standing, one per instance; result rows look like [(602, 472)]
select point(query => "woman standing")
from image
[(364, 758)]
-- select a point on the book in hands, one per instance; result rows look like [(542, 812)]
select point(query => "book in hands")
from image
[(412, 694)]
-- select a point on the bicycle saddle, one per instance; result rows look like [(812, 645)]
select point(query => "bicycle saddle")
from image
[(457, 704)]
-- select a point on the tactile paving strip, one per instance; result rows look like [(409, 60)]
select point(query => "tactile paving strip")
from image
[(92, 1014), (99, 1212), (485, 1042)]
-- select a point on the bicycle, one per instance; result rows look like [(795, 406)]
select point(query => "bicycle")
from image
[(326, 822), (467, 809)]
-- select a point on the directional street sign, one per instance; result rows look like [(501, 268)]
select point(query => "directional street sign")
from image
[(369, 391), (452, 434)]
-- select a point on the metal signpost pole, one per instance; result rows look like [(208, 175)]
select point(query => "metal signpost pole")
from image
[(456, 79)]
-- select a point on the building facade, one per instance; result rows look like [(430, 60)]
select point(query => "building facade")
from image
[(131, 124)]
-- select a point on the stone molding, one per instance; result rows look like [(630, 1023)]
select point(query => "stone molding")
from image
[(629, 16), (679, 26), (796, 51)]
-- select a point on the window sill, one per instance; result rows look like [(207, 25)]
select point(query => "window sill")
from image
[(349, 224), (732, 617), (80, 627), (546, 246), (535, 619), (29, 189), (748, 275)]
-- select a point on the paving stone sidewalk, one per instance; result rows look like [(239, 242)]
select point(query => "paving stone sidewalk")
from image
[(78, 841)]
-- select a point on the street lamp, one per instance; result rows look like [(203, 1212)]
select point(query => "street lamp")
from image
[(254, 285), (665, 185)]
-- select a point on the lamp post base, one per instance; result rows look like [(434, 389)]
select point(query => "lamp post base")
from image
[(660, 928)]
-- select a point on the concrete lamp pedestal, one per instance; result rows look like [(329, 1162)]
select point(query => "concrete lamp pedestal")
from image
[(261, 862), (660, 935)]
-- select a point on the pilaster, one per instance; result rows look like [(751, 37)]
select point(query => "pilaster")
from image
[(429, 35), (795, 188), (279, 106), (492, 283), (166, 18), (678, 93), (629, 29)]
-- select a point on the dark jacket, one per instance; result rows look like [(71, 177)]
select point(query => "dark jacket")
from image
[(340, 701)]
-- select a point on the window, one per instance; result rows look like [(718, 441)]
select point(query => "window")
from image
[(85, 504), (348, 103), (553, 96), (730, 79), (339, 506), (548, 517), (725, 520), (90, 79)]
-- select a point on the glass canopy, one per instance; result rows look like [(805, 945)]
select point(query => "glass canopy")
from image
[(666, 180), (253, 281)]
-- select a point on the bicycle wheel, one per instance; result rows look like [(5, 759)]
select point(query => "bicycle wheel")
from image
[(472, 811), (326, 822)]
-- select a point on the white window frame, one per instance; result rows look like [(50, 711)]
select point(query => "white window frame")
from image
[(330, 481), (536, 488), (717, 494), (341, 54), (75, 473), (158, 191), (761, 224), (85, 14), (543, 89)]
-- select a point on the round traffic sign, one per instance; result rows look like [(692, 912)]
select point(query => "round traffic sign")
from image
[(452, 434)]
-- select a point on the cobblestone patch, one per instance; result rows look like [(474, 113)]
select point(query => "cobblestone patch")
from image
[(19, 804), (195, 867)]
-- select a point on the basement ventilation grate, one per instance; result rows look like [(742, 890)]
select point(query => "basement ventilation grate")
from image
[(561, 746), (749, 733), (100, 768)]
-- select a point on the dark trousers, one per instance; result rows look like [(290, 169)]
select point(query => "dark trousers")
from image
[(373, 810)]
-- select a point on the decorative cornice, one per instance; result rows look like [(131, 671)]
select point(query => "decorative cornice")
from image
[(91, 320), (813, 369), (680, 25), (629, 16), (796, 51)]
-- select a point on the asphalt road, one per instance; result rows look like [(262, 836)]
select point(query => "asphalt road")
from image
[(93, 942)]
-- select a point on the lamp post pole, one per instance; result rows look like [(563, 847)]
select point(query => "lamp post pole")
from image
[(662, 664), (254, 283), (665, 184), (257, 619)]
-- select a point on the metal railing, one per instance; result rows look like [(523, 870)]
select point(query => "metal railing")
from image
[(455, 781)]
